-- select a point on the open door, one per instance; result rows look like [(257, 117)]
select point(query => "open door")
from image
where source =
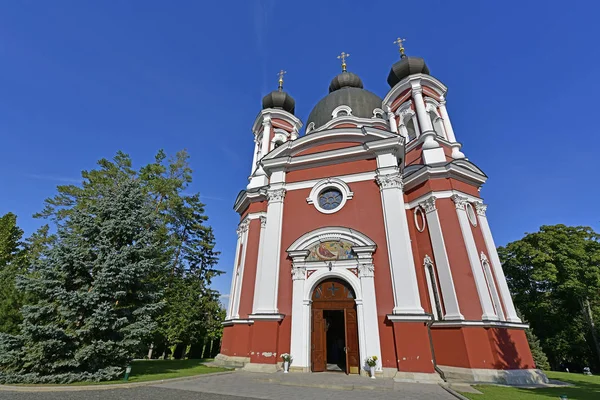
[(352, 357), (318, 356)]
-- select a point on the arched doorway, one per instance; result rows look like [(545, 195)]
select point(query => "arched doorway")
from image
[(334, 333)]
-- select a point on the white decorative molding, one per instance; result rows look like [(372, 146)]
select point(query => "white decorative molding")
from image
[(366, 270), (379, 111), (481, 208), (276, 195), (313, 197), (310, 127), (243, 227), (419, 214), (263, 221), (459, 201), (347, 179), (409, 317), (429, 204), (432, 287), (389, 181), (298, 273), (336, 111)]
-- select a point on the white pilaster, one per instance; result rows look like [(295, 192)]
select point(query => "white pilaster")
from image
[(402, 266), (238, 276), (392, 120), (261, 246), (265, 297), (456, 153), (254, 157), (476, 268), (233, 274), (368, 308), (298, 345), (511, 313), (441, 260)]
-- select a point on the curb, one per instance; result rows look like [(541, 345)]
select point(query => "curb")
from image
[(72, 388)]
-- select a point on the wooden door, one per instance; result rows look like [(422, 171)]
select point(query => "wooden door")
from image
[(352, 356), (318, 342)]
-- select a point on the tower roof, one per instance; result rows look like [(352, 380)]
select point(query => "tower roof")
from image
[(279, 99), (405, 67)]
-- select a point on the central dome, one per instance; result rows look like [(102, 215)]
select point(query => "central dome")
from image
[(346, 89)]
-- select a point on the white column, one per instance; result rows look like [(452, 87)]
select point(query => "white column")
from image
[(424, 121), (446, 119), (239, 273), (265, 297), (266, 135), (298, 342), (404, 131), (261, 246), (234, 273), (368, 312), (441, 260), (254, 157), (476, 268), (392, 119), (402, 266), (511, 313)]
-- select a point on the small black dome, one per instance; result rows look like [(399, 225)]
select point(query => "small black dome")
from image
[(281, 100), (345, 79), (405, 67)]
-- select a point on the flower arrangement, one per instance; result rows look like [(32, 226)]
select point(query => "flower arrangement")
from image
[(372, 361), (286, 357)]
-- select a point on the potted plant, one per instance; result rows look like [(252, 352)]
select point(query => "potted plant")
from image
[(287, 359), (372, 363)]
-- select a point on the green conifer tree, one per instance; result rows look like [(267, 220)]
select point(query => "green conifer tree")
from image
[(95, 299)]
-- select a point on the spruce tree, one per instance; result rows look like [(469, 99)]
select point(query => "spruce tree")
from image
[(11, 264), (95, 290)]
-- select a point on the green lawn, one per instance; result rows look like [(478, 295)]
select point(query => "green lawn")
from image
[(152, 370), (585, 388)]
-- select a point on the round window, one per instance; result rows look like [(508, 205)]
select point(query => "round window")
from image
[(330, 199), (471, 214)]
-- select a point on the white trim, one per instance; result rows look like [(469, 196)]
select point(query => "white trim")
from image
[(449, 170), (433, 288), (409, 317), (267, 317), (441, 194), (229, 322), (279, 114), (324, 184), (423, 224), (471, 214), (330, 233), (336, 111), (499, 324), (239, 273), (489, 277), (406, 83)]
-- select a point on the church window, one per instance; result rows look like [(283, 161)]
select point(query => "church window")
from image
[(432, 286), (278, 143), (471, 214), (330, 199), (410, 127), (491, 283)]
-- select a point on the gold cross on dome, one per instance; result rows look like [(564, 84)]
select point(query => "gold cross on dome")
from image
[(343, 57), (400, 43), (281, 73)]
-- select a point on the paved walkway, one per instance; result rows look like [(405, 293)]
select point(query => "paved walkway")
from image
[(245, 385), (324, 385)]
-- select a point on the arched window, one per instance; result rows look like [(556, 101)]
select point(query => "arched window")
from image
[(412, 130), (491, 284), (432, 286)]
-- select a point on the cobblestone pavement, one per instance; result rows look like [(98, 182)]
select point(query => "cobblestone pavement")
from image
[(242, 385)]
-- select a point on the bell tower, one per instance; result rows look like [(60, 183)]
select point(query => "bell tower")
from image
[(275, 125)]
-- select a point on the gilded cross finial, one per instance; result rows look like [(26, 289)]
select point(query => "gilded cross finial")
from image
[(400, 43), (343, 57), (281, 73)]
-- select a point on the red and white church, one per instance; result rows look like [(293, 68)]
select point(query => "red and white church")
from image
[(367, 236)]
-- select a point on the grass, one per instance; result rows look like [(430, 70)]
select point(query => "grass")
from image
[(154, 370), (585, 388)]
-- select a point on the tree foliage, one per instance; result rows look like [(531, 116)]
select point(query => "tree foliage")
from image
[(94, 302), (97, 290), (11, 264), (554, 275)]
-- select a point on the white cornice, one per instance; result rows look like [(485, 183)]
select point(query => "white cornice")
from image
[(359, 177), (350, 119), (246, 197), (409, 317), (276, 113), (453, 169), (230, 322), (442, 194), (407, 83)]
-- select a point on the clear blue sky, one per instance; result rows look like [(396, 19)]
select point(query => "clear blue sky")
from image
[(80, 80)]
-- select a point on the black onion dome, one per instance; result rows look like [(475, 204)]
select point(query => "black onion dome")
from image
[(345, 89), (405, 67), (345, 79), (281, 100)]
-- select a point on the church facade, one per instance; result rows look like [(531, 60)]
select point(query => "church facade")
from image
[(367, 236)]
